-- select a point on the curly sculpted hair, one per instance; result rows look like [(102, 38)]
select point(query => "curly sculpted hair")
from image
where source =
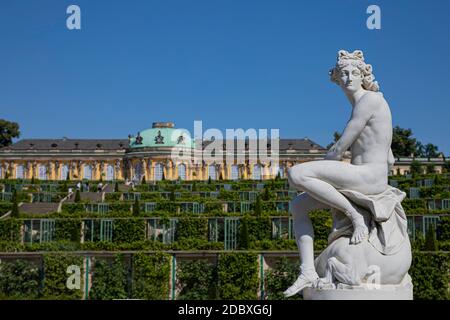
[(355, 59)]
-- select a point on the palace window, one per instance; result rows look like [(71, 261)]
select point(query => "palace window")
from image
[(109, 172), (256, 174), (411, 228), (98, 230), (106, 230), (42, 172), (281, 172), (64, 172), (131, 196), (157, 230), (182, 171), (42, 197), (414, 193), (216, 229), (282, 228), (231, 233), (149, 206), (245, 206), (38, 231), (159, 171), (19, 172), (393, 183), (234, 172), (212, 172), (97, 207), (138, 172), (87, 172), (429, 222)]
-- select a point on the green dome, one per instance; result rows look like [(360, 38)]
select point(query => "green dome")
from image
[(162, 137)]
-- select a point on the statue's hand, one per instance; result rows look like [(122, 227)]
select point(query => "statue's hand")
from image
[(333, 155)]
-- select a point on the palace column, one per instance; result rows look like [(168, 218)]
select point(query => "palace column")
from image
[(144, 163), (168, 167), (266, 171), (175, 167), (56, 175), (151, 170), (223, 170), (97, 172)]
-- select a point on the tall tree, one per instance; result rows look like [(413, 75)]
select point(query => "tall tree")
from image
[(403, 144), (8, 131), (430, 239), (15, 207), (136, 207), (420, 149), (431, 151), (336, 137), (416, 167)]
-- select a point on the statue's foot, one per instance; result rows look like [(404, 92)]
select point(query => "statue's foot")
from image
[(324, 284), (360, 233), (303, 281)]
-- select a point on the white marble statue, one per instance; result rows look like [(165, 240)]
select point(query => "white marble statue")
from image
[(369, 225)]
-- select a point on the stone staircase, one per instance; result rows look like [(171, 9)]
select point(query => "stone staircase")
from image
[(91, 196), (39, 207), (108, 188), (124, 188)]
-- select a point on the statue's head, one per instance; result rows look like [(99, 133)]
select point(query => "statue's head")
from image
[(351, 73)]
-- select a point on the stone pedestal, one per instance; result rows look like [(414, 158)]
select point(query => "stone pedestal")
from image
[(363, 292)]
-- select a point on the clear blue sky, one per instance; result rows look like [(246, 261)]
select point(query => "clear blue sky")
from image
[(230, 63)]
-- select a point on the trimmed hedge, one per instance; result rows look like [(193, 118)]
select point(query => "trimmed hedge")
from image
[(19, 279), (151, 275), (109, 280), (68, 229), (197, 280), (281, 277), (430, 275), (188, 229), (128, 230), (10, 230), (237, 276), (55, 276)]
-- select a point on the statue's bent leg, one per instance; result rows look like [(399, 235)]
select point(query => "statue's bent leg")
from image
[(343, 273), (321, 179), (304, 235), (303, 229)]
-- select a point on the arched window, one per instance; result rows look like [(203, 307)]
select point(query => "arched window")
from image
[(19, 171), (256, 175), (87, 172), (109, 172), (182, 171), (234, 172), (212, 172), (281, 172), (138, 172), (64, 172), (42, 172), (159, 171)]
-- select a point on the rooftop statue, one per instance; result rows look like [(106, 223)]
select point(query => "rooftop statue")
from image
[(369, 233)]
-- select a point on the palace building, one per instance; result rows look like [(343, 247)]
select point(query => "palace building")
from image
[(149, 154)]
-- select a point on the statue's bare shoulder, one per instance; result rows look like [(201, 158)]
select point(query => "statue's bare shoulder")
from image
[(372, 101)]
